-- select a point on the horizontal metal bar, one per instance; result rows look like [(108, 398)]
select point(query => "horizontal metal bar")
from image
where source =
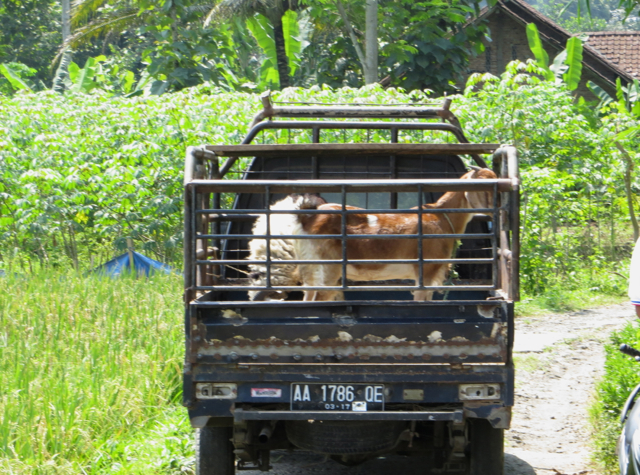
[(276, 262), (354, 148), (342, 304), (242, 415), (260, 212), (352, 287), (355, 111), (348, 236), (353, 186)]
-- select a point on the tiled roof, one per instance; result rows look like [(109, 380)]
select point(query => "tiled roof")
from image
[(620, 47)]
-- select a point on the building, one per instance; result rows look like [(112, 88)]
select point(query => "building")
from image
[(603, 61)]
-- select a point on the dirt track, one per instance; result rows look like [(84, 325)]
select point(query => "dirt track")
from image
[(558, 359)]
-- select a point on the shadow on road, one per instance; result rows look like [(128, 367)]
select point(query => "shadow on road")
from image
[(516, 466), (298, 463)]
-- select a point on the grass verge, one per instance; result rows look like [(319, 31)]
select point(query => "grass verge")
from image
[(621, 375), (578, 291)]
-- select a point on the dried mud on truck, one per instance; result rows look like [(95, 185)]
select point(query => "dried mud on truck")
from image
[(350, 292)]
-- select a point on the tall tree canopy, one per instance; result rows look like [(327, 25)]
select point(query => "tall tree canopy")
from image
[(256, 44)]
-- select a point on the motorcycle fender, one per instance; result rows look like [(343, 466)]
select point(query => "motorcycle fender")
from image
[(628, 406)]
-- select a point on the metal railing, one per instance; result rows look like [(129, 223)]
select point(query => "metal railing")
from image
[(215, 279)]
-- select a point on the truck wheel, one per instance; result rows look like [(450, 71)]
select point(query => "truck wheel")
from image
[(486, 451), (214, 451)]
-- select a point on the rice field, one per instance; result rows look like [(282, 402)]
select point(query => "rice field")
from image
[(90, 375)]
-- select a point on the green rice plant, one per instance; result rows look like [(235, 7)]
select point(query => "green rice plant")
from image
[(90, 372)]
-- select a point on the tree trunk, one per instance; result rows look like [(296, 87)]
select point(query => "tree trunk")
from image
[(371, 42), (61, 72), (369, 57), (281, 53), (66, 21)]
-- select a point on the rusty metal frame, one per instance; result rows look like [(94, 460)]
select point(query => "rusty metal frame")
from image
[(449, 123), (504, 250)]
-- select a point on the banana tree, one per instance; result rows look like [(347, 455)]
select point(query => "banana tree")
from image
[(275, 11), (566, 66), (13, 77)]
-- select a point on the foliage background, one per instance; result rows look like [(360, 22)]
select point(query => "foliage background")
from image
[(81, 173)]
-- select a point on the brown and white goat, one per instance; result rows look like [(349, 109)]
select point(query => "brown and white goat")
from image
[(318, 275)]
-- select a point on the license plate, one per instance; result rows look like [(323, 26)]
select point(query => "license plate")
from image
[(337, 397)]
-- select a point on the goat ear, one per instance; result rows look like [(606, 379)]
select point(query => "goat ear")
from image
[(478, 199)]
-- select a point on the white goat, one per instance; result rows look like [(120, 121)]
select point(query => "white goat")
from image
[(281, 250)]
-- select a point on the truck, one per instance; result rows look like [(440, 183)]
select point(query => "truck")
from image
[(372, 372)]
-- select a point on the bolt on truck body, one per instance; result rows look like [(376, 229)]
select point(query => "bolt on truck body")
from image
[(373, 371)]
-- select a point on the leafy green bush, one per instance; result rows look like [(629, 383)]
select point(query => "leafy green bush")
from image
[(574, 220), (79, 174), (621, 375)]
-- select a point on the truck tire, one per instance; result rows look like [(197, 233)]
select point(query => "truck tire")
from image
[(214, 451), (486, 451)]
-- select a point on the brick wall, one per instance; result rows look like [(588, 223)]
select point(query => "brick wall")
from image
[(509, 42)]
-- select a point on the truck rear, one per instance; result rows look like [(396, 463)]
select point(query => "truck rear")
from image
[(374, 370)]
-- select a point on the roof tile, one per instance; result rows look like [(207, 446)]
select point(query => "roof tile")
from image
[(620, 47)]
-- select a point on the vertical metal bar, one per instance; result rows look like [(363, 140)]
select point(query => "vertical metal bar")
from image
[(315, 167), (217, 243), (393, 204), (514, 224), (514, 221), (394, 170), (194, 236), (344, 237), (420, 257), (315, 136), (188, 244), (495, 227), (267, 200)]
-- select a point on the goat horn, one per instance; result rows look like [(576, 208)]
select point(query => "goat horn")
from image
[(473, 167)]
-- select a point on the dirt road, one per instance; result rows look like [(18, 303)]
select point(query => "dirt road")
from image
[(558, 359)]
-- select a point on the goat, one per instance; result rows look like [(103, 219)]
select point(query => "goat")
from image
[(318, 275), (281, 250)]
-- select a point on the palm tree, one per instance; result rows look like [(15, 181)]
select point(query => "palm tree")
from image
[(273, 10), (113, 18), (119, 16)]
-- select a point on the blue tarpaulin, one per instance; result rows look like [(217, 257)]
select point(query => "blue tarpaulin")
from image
[(141, 264)]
